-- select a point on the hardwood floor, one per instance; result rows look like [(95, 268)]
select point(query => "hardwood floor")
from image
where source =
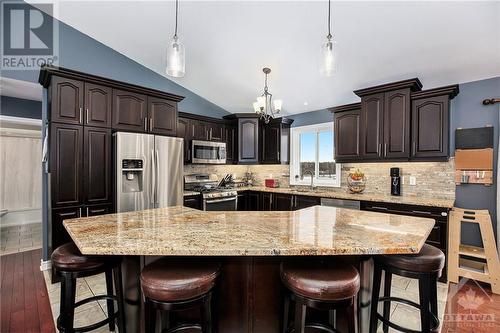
[(25, 305)]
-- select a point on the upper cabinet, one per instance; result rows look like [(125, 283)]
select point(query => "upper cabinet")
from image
[(162, 116), (129, 111), (275, 141), (248, 140), (397, 122), (98, 101), (66, 99)]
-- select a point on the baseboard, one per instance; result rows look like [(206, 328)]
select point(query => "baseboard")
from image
[(45, 265)]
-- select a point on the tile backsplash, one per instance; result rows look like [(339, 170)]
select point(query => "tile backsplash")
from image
[(433, 179)]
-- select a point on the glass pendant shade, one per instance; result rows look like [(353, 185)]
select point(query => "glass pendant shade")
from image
[(278, 103), (176, 62), (261, 102), (256, 107), (328, 59)]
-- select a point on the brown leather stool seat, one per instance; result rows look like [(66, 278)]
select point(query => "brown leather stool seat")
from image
[(327, 282), (168, 280), (429, 259), (67, 257)]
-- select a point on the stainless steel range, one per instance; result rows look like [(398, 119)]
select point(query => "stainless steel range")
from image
[(217, 194)]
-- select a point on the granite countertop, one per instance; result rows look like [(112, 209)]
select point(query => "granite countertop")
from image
[(182, 231), (190, 193), (407, 200)]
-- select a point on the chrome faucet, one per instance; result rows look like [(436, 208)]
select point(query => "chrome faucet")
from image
[(312, 178)]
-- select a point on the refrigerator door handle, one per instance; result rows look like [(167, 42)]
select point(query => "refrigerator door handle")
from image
[(153, 178), (157, 177)]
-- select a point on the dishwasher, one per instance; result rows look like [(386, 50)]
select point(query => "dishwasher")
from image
[(341, 203)]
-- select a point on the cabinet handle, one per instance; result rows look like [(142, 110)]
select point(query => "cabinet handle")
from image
[(145, 124), (150, 124), (421, 212), (414, 147), (385, 149), (278, 156), (87, 115), (210, 135), (80, 212), (378, 207), (81, 116), (379, 149), (87, 211)]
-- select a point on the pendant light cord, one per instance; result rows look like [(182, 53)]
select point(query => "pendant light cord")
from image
[(176, 14), (329, 20)]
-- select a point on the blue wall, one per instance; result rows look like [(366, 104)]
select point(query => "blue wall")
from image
[(82, 53), (312, 117), (18, 107)]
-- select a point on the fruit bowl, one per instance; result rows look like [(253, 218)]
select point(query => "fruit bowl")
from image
[(356, 181)]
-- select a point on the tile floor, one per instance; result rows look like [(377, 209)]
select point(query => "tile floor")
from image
[(96, 311), (20, 238)]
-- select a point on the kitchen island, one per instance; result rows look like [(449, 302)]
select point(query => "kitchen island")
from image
[(250, 246)]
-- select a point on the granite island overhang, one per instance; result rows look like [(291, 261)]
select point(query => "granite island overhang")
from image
[(250, 247)]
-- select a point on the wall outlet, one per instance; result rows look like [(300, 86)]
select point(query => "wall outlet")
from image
[(413, 180)]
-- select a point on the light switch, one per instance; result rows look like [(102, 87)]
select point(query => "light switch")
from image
[(413, 180)]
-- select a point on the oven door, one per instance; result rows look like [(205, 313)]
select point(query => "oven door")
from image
[(222, 204), (205, 152)]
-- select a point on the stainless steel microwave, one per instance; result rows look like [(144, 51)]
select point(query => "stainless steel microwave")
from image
[(207, 152)]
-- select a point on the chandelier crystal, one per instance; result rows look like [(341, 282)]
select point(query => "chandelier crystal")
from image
[(265, 107), (176, 59)]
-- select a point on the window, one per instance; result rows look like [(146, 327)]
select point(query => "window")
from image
[(312, 156)]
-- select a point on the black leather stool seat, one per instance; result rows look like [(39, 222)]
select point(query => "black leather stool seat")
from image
[(321, 281), (429, 259), (169, 280), (67, 257)]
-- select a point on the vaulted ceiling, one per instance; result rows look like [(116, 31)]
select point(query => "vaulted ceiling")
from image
[(229, 42)]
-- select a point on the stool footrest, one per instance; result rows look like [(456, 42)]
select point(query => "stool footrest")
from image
[(95, 298), (182, 327), (88, 328), (316, 326)]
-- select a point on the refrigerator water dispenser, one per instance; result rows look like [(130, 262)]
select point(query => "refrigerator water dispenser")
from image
[(132, 176)]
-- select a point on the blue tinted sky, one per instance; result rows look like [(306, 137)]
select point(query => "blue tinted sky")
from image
[(308, 143)]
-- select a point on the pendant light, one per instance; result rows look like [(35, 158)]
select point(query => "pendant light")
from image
[(328, 60), (265, 106), (176, 61)]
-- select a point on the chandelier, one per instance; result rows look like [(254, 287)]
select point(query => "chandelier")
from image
[(264, 105)]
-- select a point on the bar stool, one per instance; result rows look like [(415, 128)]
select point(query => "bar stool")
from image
[(70, 264), (174, 285), (426, 266), (323, 286)]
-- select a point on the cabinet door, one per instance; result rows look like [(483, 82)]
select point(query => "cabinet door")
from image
[(372, 112), (253, 201), (129, 111), (242, 201), (162, 116), (248, 141), (98, 105), (284, 151), (397, 124), (270, 143), (95, 210), (347, 126), (97, 165), (57, 233), (430, 127), (216, 132), (303, 201), (192, 202), (66, 100), (199, 130), (66, 164), (183, 132), (266, 201), (231, 140), (282, 202)]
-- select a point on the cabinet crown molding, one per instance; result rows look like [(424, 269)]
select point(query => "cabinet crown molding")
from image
[(46, 73), (451, 91), (414, 85), (347, 107)]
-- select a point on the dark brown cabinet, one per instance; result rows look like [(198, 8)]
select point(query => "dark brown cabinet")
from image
[(216, 132), (431, 124), (66, 164), (192, 201), (66, 101), (266, 201), (275, 141), (372, 115), (162, 116), (57, 233), (95, 210), (97, 165), (253, 201), (347, 132), (183, 132), (248, 140), (396, 140), (303, 201), (98, 101), (199, 129), (129, 111), (282, 202), (231, 143)]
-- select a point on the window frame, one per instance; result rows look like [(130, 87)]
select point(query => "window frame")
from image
[(295, 133)]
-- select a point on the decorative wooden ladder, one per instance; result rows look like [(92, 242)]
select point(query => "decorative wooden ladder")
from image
[(487, 268)]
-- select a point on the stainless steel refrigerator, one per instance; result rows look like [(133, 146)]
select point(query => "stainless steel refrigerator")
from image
[(149, 171)]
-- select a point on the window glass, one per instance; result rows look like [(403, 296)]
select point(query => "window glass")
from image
[(325, 157), (307, 154)]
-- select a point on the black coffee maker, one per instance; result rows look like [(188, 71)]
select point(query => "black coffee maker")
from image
[(395, 181)]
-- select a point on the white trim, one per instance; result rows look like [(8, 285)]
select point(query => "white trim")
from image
[(45, 265), (20, 121), (295, 156)]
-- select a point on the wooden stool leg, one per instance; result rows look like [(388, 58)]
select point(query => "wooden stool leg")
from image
[(454, 234), (300, 317), (150, 317), (286, 310), (206, 315), (424, 291), (117, 273), (375, 293), (491, 252), (109, 302), (352, 315), (67, 307), (387, 293)]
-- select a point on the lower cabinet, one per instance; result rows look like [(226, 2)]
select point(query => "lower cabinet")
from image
[(282, 202), (304, 201), (193, 201), (253, 201), (266, 201)]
